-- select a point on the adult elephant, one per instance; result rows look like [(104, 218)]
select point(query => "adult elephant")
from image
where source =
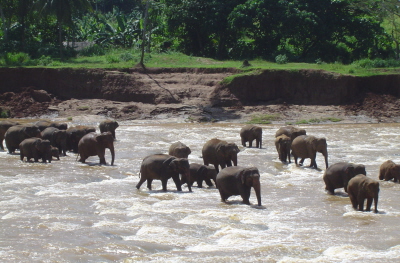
[(249, 133), (4, 126), (108, 126), (305, 146), (179, 150), (163, 167), (74, 134), (93, 144), (220, 153), (35, 148), (361, 187), (389, 170), (57, 138), (290, 131), (200, 173), (338, 175), (236, 180), (43, 124), (16, 134), (283, 145)]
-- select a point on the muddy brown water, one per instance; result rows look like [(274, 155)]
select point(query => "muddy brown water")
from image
[(67, 211)]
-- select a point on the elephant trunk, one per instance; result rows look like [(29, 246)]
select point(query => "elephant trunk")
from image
[(257, 189), (325, 154), (186, 174), (234, 159), (112, 154)]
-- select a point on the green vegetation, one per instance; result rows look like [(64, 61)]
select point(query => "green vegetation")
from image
[(263, 119), (4, 113), (315, 120)]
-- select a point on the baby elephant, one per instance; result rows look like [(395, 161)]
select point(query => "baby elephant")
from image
[(389, 170), (55, 152), (283, 145), (361, 187), (249, 133), (339, 174), (200, 173), (236, 180), (35, 148)]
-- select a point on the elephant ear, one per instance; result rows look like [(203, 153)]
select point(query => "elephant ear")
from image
[(220, 148), (202, 170), (169, 162), (350, 170), (243, 175)]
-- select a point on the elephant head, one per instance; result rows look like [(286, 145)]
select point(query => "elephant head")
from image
[(372, 189), (60, 138), (31, 131), (181, 166), (228, 152), (251, 178), (44, 148), (106, 140), (320, 145)]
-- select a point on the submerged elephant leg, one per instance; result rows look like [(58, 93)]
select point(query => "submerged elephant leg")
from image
[(369, 203), (149, 181), (360, 203), (302, 161), (178, 185), (164, 184), (142, 179)]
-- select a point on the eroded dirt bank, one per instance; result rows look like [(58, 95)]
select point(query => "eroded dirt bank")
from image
[(198, 95)]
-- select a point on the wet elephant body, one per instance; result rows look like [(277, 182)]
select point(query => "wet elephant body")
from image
[(338, 175), (46, 123), (179, 150), (389, 170), (290, 131), (93, 144), (307, 146), (249, 133), (200, 173), (75, 134), (109, 126), (57, 138), (361, 187), (16, 134), (4, 126), (163, 167), (220, 153), (283, 145), (236, 180), (35, 148)]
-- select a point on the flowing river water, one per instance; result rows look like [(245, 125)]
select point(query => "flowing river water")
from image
[(67, 211)]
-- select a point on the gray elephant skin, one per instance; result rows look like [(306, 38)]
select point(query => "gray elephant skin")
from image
[(55, 152), (45, 124), (283, 145), (57, 138), (200, 173), (236, 180), (361, 187), (338, 175), (109, 125), (220, 153), (35, 148), (179, 150), (290, 131), (163, 167), (93, 144), (389, 170), (305, 146), (249, 133), (4, 126), (16, 134), (75, 134)]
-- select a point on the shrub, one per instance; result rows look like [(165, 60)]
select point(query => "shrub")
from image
[(94, 50), (281, 59), (112, 59), (16, 59), (44, 61), (126, 56)]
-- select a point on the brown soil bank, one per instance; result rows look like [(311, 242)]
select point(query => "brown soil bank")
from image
[(196, 93)]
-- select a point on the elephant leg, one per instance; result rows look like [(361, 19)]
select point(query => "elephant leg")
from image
[(200, 183), (149, 181), (369, 203), (216, 167), (361, 203), (141, 181), (250, 143), (353, 200), (177, 182), (302, 161), (164, 184), (208, 182), (245, 193), (223, 196), (228, 164)]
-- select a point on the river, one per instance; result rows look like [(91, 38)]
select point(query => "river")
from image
[(67, 211)]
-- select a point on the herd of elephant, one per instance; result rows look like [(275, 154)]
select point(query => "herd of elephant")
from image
[(45, 140)]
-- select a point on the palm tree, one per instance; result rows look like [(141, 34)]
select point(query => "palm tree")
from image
[(64, 11)]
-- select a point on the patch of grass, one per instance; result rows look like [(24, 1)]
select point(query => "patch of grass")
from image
[(83, 108), (332, 119), (315, 120), (69, 118), (263, 119)]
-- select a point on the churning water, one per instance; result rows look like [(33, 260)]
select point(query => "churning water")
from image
[(67, 211)]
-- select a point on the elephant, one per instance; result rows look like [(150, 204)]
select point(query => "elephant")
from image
[(305, 146), (4, 125), (93, 144), (290, 131), (237, 180), (45, 124), (361, 187), (389, 170), (249, 133), (16, 134), (57, 138), (35, 148), (179, 150), (283, 145), (109, 125), (55, 152), (74, 134), (162, 167), (200, 173), (220, 153), (339, 174)]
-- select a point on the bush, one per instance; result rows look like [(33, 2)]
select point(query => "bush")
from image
[(112, 59), (281, 59), (127, 56), (44, 61), (94, 50), (16, 59), (377, 63)]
